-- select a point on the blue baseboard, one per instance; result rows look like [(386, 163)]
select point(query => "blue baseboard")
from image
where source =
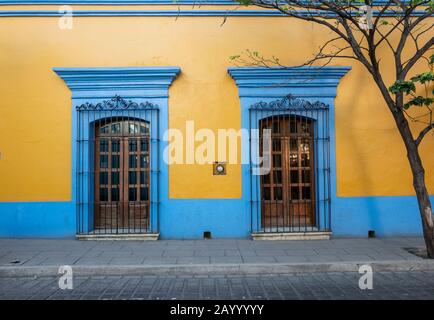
[(224, 218), (37, 219), (388, 216), (190, 218)]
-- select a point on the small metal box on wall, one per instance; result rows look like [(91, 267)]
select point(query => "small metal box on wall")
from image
[(219, 168)]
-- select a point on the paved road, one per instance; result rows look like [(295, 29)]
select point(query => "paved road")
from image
[(386, 285)]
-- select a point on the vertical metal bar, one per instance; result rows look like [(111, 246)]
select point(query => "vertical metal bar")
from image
[(306, 164), (94, 177), (250, 171), (273, 195), (290, 213), (151, 211), (324, 167), (123, 168), (138, 210), (320, 174), (279, 203), (312, 182), (328, 171), (262, 204), (88, 173), (158, 169), (260, 199), (77, 174), (107, 208), (285, 146), (136, 124), (316, 163), (81, 169)]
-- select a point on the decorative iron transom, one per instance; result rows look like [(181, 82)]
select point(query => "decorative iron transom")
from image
[(290, 102), (116, 103)]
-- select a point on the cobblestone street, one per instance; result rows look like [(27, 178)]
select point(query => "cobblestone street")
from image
[(386, 285)]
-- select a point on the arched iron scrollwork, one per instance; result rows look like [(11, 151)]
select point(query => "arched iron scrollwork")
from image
[(116, 103), (289, 102)]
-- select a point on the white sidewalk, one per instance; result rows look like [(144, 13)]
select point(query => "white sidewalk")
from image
[(44, 256)]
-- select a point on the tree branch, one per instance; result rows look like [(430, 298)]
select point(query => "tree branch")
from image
[(419, 53), (423, 133)]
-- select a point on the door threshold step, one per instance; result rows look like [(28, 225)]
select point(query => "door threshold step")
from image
[(312, 235), (119, 236)]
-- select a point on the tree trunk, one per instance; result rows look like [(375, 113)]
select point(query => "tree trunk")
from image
[(425, 208), (423, 199)]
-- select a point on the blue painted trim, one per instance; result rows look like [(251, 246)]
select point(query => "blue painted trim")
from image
[(189, 218), (270, 83), (37, 219), (132, 82), (321, 152), (287, 77), (387, 215), (128, 78), (263, 85), (89, 85), (351, 217), (169, 13)]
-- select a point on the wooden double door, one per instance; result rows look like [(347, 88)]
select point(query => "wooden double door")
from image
[(288, 191), (122, 176)]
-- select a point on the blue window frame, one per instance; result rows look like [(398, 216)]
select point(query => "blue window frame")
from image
[(309, 92), (139, 93)]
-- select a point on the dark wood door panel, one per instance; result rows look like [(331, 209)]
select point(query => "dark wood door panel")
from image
[(122, 182), (288, 191)]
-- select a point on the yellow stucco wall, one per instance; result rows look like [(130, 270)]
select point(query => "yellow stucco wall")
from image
[(35, 105)]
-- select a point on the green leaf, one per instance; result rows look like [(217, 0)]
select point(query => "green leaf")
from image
[(419, 101), (245, 2), (401, 86), (423, 77), (430, 6)]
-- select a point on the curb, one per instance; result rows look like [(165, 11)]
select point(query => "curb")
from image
[(217, 269)]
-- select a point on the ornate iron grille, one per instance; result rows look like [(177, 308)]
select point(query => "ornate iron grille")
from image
[(293, 194), (117, 167)]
